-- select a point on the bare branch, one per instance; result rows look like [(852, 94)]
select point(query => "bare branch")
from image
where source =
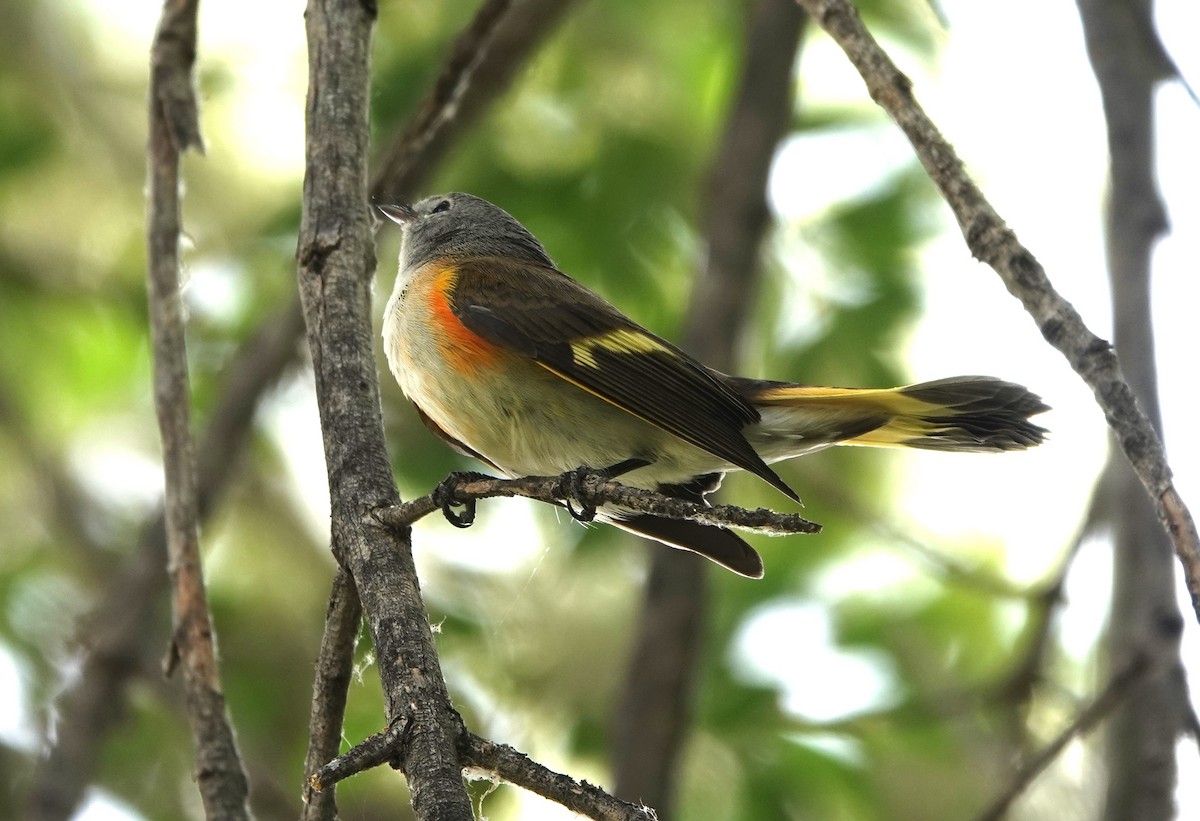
[(992, 242), (487, 759), (495, 44), (1129, 61), (593, 490), (481, 65), (335, 261), (172, 95), (120, 638), (441, 103), (371, 752), (1105, 701), (578, 796), (173, 129), (335, 669)]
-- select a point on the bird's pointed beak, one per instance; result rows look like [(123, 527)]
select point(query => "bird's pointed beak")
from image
[(399, 214)]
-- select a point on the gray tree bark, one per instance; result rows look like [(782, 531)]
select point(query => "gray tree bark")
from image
[(336, 260), (1129, 61)]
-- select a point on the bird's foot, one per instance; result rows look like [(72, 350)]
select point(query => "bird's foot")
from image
[(445, 496), (573, 482)]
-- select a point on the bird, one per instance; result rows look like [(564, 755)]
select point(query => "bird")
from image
[(511, 361)]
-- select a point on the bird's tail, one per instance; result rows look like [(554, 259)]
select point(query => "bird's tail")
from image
[(963, 413)]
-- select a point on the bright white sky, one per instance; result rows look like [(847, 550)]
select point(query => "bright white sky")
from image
[(1014, 93)]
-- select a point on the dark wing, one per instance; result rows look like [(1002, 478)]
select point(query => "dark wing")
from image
[(717, 544), (545, 315)]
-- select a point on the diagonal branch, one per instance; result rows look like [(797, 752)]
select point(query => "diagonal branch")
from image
[(1114, 692), (441, 104), (578, 796), (991, 241), (483, 61), (174, 128)]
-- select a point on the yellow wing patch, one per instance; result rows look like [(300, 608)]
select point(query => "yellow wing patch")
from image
[(621, 340), (891, 400)]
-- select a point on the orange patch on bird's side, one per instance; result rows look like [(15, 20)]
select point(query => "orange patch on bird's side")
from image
[(462, 348)]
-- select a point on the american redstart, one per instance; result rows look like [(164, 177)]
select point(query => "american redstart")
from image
[(511, 361)]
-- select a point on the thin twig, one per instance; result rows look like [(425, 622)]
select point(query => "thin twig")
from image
[(441, 103), (1017, 686), (992, 242), (578, 796), (481, 65), (940, 560), (174, 128), (594, 490), (1114, 691), (371, 752)]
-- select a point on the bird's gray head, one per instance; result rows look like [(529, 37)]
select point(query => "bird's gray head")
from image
[(461, 225)]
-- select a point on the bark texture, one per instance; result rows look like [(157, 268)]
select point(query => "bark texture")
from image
[(336, 259), (1128, 61), (174, 128)]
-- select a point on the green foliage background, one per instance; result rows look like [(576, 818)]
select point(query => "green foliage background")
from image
[(601, 149)]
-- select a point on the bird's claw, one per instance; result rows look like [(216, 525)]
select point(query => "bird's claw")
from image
[(445, 496), (573, 486), (573, 490)]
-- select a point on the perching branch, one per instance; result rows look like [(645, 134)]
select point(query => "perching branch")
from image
[(174, 128), (992, 242), (577, 796), (592, 490), (118, 635)]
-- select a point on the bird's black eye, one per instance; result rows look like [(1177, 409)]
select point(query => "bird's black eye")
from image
[(444, 205)]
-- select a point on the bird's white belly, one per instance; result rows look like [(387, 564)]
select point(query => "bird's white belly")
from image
[(522, 417)]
